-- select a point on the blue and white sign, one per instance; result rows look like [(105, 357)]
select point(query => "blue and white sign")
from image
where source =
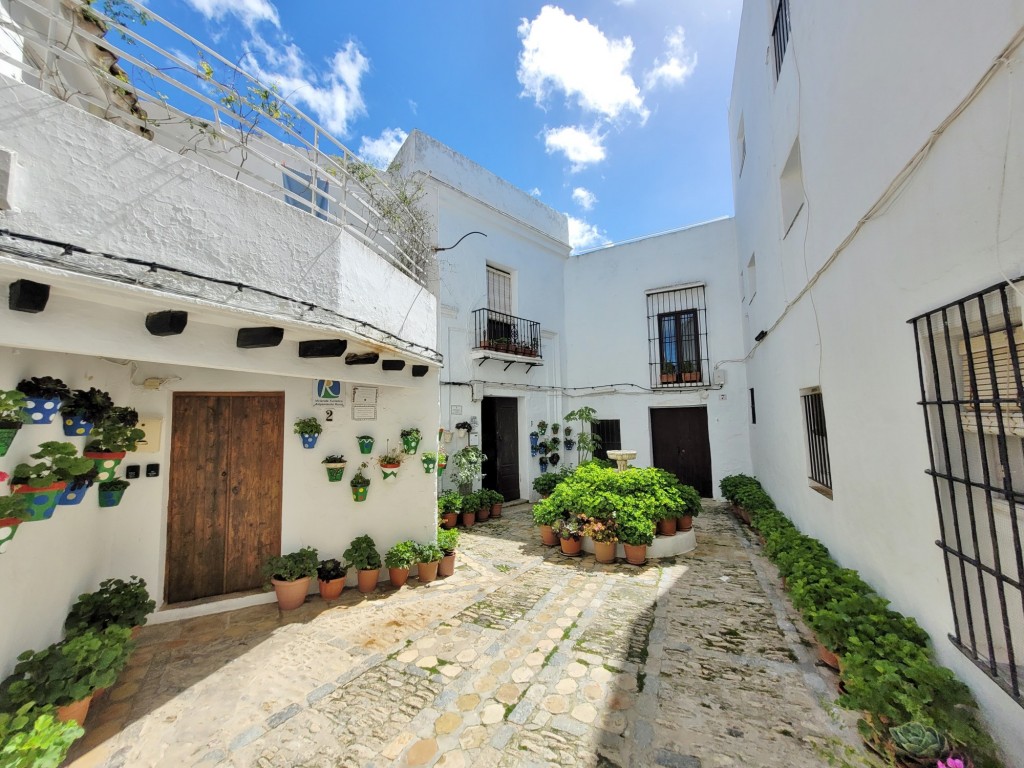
[(328, 393)]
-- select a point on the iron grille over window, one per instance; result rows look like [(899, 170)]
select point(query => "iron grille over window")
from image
[(817, 440), (609, 435), (780, 34), (970, 358), (499, 291), (677, 337)]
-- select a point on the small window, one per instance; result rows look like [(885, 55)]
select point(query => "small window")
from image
[(791, 188), (780, 35), (609, 437), (820, 472), (753, 408)]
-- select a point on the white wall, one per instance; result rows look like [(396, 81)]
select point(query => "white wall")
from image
[(862, 102), (606, 307)]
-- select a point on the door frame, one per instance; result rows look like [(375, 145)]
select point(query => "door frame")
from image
[(650, 435)]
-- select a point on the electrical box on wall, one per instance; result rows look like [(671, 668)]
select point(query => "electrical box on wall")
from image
[(151, 442)]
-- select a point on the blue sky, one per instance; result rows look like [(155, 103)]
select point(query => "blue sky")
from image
[(611, 111)]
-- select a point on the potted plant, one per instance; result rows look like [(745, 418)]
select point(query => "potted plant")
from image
[(429, 558), (469, 505), (390, 461), (46, 479), (330, 575), (116, 603), (43, 395), (569, 443), (411, 438), (32, 736), (545, 484), (77, 485), (399, 560), (290, 576), (690, 371), (335, 464), (500, 344), (482, 500), (555, 429), (668, 373), (429, 461), (463, 428), (546, 513), (442, 462), (112, 438), (309, 430), (570, 533), (543, 464), (554, 458), (691, 507), (542, 428), (469, 462), (362, 555), (365, 444), (66, 674), (496, 500), (636, 530), (111, 492), (83, 409), (12, 417), (360, 484), (448, 541), (602, 533), (449, 504), (13, 512)]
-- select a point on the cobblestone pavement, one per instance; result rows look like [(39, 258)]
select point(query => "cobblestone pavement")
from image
[(523, 658)]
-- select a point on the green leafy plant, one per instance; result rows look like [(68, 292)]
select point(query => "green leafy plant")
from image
[(293, 566), (45, 387), (428, 553), (542, 428), (404, 554), (307, 426), (362, 554), (90, 405), (391, 457), (331, 569), (66, 672), (601, 530), (547, 482), (448, 540), (448, 502), (58, 462), (12, 404), (547, 512), (568, 528), (359, 480), (15, 506), (919, 741), (32, 737), (412, 433), (334, 458), (489, 497), (116, 603), (118, 431), (114, 485), (469, 462)]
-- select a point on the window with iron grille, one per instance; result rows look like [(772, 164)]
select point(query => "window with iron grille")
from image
[(970, 360), (608, 431), (780, 34), (500, 323), (820, 470), (677, 337)]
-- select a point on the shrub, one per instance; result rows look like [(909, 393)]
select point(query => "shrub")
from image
[(429, 553), (546, 512), (32, 737), (362, 554), (635, 523), (448, 502), (404, 554), (293, 566), (448, 540), (116, 603)]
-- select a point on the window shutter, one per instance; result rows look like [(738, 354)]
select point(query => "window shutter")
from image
[(986, 389), (499, 291)]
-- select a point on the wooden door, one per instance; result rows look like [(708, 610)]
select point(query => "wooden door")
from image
[(679, 439), (224, 505), (500, 442)]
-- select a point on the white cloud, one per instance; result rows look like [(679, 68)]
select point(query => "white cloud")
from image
[(572, 55), (249, 12), (582, 147), (584, 198), (381, 151), (584, 235), (332, 96), (675, 65)]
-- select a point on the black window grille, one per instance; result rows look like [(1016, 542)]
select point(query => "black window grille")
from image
[(970, 356), (677, 337), (817, 440), (753, 408), (610, 436), (780, 34)]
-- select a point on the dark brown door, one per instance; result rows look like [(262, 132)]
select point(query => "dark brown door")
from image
[(224, 506), (500, 442), (679, 437)]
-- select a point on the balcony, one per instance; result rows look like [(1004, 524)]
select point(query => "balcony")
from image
[(504, 337)]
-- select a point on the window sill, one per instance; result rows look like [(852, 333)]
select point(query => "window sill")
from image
[(822, 489)]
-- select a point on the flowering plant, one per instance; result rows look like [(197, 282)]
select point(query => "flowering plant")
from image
[(600, 530), (954, 761)]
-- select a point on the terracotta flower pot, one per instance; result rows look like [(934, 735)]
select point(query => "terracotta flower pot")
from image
[(604, 551), (667, 527), (684, 523), (447, 566), (547, 536), (636, 554), (427, 572), (76, 711), (469, 519), (828, 658), (450, 519), (291, 594), (571, 547), (398, 576), (483, 514), (496, 509), (367, 580), (331, 590)]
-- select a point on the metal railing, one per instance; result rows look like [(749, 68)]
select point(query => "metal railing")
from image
[(502, 332), (207, 107), (780, 34)]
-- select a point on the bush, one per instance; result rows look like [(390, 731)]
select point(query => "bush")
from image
[(404, 554), (32, 737), (116, 602), (293, 566), (448, 540), (449, 501), (362, 554), (429, 553)]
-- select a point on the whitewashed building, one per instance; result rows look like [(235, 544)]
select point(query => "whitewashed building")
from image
[(263, 300), (879, 172)]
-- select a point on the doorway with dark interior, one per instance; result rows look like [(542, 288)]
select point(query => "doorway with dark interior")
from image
[(499, 440), (680, 445)]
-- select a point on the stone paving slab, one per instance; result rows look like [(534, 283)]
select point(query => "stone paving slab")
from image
[(524, 657)]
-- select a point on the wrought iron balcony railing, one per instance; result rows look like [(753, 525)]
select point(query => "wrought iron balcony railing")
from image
[(501, 332)]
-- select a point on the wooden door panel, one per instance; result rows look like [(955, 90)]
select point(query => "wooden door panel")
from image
[(198, 494), (506, 418), (253, 530), (680, 443)]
